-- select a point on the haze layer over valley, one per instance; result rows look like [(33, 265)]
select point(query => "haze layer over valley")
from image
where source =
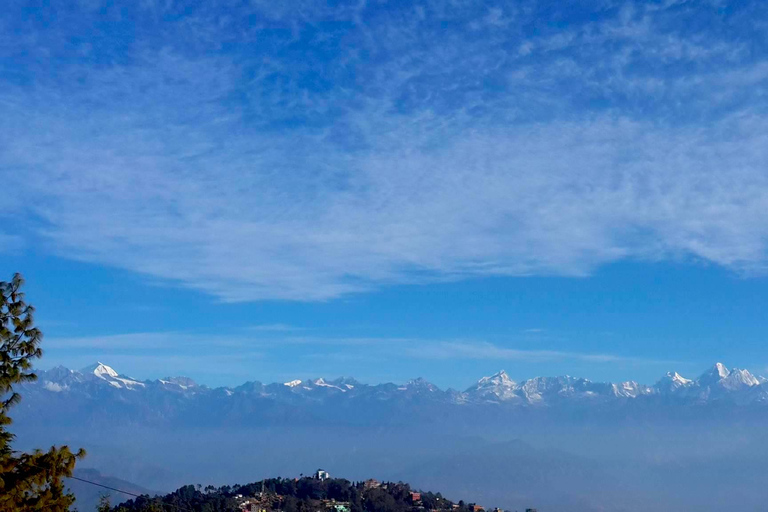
[(560, 442)]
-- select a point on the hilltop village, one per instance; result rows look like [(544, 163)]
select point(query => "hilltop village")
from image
[(317, 493)]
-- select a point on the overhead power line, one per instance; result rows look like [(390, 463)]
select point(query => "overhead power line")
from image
[(104, 486), (177, 507), (86, 481)]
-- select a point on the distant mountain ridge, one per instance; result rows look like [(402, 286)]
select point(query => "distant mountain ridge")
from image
[(563, 442), (716, 384), (87, 495)]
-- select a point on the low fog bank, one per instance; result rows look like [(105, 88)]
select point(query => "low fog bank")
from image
[(553, 465)]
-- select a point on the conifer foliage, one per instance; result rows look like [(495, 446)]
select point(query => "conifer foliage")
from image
[(28, 481)]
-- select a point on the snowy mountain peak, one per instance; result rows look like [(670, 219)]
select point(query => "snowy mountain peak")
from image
[(182, 382), (497, 379), (679, 379), (322, 383), (673, 381), (503, 376), (721, 370), (714, 375), (106, 373), (58, 373), (717, 384), (420, 384), (630, 389), (740, 378), (100, 370), (345, 382), (496, 387)]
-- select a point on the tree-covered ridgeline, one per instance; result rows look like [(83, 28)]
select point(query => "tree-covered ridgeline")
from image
[(297, 495), (28, 481)]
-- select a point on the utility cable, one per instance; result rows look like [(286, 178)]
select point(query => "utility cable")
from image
[(108, 487)]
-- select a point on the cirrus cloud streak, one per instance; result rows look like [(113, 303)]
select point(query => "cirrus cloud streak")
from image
[(397, 153)]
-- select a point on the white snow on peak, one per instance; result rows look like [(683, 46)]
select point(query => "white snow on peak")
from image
[(321, 383), (739, 378), (100, 370), (108, 374), (498, 385), (292, 384), (169, 383), (498, 379), (679, 379), (420, 383), (630, 389), (672, 382), (721, 370), (715, 376), (129, 383)]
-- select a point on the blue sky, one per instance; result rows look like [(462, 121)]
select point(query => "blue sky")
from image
[(265, 190)]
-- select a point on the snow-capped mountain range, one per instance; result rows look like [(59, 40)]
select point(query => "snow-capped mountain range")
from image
[(716, 384)]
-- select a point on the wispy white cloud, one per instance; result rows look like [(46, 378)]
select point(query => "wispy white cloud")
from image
[(483, 350), (147, 341), (165, 341), (424, 348), (439, 155)]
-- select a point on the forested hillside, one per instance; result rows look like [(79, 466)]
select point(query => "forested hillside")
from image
[(299, 495)]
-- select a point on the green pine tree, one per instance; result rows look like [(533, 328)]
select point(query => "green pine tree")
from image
[(28, 481), (104, 504)]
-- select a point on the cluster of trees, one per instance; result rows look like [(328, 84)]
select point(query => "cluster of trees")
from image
[(28, 481), (298, 495)]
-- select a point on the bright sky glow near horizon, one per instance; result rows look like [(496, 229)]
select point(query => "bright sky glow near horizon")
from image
[(274, 190)]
